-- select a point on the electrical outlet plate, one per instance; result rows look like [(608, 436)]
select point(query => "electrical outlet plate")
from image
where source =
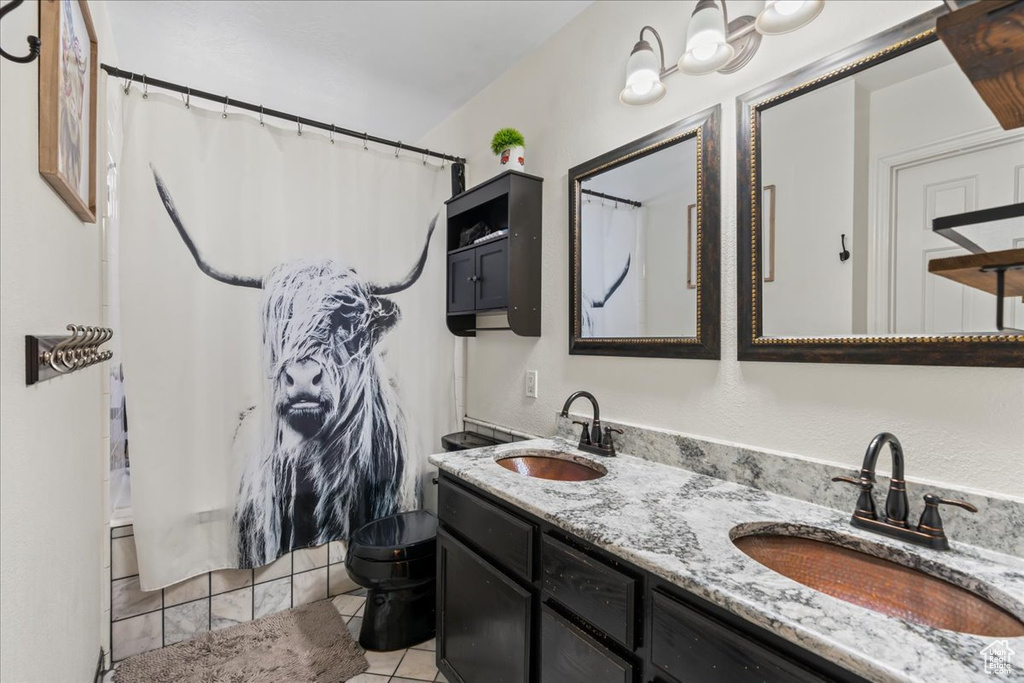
[(531, 384)]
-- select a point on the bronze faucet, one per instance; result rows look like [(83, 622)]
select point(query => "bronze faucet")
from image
[(929, 531), (592, 439)]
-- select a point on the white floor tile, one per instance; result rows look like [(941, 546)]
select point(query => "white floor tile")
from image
[(383, 662), (348, 605), (417, 665)]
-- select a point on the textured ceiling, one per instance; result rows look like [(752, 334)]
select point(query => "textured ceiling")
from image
[(395, 69)]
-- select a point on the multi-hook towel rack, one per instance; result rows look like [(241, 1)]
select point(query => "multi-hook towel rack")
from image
[(47, 357)]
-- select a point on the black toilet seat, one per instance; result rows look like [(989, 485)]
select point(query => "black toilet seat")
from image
[(396, 538)]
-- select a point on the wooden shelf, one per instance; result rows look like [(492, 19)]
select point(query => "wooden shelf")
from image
[(987, 41), (979, 270)]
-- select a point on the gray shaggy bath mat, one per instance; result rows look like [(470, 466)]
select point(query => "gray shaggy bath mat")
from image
[(308, 643)]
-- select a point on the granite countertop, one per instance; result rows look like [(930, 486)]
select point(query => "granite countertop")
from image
[(678, 525)]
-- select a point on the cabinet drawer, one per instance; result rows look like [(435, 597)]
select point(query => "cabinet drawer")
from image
[(504, 538), (596, 592), (691, 646), (568, 655)]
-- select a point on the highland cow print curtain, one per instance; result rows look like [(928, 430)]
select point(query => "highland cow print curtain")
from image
[(286, 361)]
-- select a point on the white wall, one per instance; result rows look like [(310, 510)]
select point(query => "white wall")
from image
[(959, 426), (807, 153), (52, 464)]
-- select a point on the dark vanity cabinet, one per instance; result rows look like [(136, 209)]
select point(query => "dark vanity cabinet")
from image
[(521, 601), (501, 274)]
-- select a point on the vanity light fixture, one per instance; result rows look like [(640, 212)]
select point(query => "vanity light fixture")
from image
[(713, 44)]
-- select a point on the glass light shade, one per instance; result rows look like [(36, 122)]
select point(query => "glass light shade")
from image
[(783, 16), (706, 47), (643, 79)]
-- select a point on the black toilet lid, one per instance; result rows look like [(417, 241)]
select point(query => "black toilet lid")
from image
[(404, 536)]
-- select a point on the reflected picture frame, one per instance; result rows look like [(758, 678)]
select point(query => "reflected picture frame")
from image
[(68, 84), (995, 350), (705, 127)]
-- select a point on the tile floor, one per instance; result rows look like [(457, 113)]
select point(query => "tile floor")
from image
[(412, 664)]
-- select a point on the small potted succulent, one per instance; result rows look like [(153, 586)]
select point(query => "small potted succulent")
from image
[(507, 144)]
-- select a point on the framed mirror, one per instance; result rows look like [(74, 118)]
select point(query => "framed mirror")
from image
[(644, 245), (843, 167)]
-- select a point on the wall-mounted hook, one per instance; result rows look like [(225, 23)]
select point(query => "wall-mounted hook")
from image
[(33, 41), (844, 255)]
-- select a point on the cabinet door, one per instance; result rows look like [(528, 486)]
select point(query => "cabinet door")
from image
[(492, 275), (462, 282), (567, 655), (695, 648), (483, 630)]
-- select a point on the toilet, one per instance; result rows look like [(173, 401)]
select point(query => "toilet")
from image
[(394, 559)]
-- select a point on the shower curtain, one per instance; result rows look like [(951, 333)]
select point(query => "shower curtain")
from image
[(612, 234), (287, 367)]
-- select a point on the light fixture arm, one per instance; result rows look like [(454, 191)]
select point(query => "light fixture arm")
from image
[(661, 47)]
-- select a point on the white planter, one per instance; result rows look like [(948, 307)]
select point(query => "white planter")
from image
[(513, 157)]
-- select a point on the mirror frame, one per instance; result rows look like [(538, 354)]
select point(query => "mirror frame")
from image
[(998, 350), (706, 344)]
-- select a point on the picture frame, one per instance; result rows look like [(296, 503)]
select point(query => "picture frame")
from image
[(68, 65)]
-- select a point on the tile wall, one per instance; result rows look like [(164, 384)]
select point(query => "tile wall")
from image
[(142, 621)]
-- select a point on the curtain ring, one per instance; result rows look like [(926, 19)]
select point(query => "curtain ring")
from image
[(127, 86), (187, 98), (398, 148), (145, 88), (224, 114), (425, 157), (261, 116), (332, 133), (298, 122), (365, 135)]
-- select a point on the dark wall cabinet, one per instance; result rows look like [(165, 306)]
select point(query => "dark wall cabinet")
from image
[(502, 274), (520, 601)]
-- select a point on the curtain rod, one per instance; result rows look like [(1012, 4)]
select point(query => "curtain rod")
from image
[(613, 198), (260, 109)]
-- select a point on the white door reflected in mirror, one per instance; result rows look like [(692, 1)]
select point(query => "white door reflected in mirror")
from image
[(875, 157)]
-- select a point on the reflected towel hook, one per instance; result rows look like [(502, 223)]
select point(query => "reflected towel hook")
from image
[(844, 255), (33, 41)]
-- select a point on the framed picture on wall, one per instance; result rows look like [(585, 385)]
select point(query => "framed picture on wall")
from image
[(67, 103)]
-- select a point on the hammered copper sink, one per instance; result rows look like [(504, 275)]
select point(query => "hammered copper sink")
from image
[(880, 585), (552, 465)]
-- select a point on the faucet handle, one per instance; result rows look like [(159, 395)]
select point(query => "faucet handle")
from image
[(606, 440), (585, 436), (931, 523), (865, 503)]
